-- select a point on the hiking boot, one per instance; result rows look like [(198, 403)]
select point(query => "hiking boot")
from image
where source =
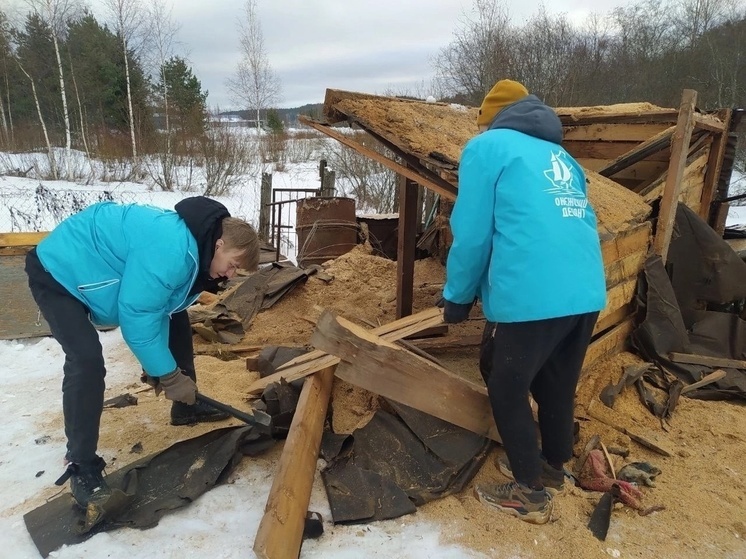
[(534, 506), (552, 478), (86, 481), (184, 414)]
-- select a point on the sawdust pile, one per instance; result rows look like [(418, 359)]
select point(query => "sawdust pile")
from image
[(616, 207), (362, 289)]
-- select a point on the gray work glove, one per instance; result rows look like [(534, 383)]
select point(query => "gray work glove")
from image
[(176, 386)]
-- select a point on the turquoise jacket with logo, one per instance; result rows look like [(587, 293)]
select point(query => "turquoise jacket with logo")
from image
[(132, 266), (525, 237)]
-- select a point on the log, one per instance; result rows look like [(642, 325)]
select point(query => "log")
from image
[(611, 342), (316, 360), (372, 363), (603, 132), (625, 243), (694, 359), (280, 532), (627, 425), (652, 145)]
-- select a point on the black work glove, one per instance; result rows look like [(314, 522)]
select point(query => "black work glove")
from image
[(176, 386), (453, 313)]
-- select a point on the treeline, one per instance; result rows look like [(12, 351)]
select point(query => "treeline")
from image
[(645, 51), (75, 82)]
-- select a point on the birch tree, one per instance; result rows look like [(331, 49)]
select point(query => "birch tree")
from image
[(255, 84), (128, 22), (54, 13), (162, 37)]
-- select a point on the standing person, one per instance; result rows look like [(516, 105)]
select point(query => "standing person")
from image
[(139, 268), (525, 243)]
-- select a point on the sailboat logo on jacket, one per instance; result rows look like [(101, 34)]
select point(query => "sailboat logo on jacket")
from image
[(561, 176)]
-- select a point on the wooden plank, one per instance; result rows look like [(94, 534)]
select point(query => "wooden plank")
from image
[(679, 150), (451, 342), (447, 192), (611, 342), (280, 532), (406, 244), (21, 239), (641, 170), (618, 296), (714, 376), (589, 115), (652, 145), (316, 360), (605, 150), (612, 319), (15, 251), (628, 425), (612, 132), (627, 242), (706, 360), (714, 166), (710, 123), (625, 268), (693, 176), (379, 366)]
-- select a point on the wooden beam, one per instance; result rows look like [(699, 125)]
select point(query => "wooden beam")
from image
[(280, 532), (679, 150), (714, 166), (612, 319), (625, 268), (448, 193), (406, 244), (21, 239), (619, 296), (576, 116), (653, 145), (605, 132), (316, 360), (608, 344), (379, 366), (626, 242), (710, 123), (706, 360)]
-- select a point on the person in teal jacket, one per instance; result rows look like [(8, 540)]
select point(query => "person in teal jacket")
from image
[(525, 244), (137, 267)]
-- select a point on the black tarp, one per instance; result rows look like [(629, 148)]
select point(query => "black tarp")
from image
[(149, 488), (702, 273), (397, 462)]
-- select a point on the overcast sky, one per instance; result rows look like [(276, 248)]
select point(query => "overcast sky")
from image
[(372, 46)]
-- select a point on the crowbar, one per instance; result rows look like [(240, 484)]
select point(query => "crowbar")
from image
[(262, 421)]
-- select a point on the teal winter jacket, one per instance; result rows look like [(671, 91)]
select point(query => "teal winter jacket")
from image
[(525, 237), (132, 266)]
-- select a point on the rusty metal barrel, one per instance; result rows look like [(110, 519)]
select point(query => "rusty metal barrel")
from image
[(326, 229)]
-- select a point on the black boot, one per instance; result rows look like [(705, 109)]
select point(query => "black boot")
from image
[(86, 481), (184, 414)]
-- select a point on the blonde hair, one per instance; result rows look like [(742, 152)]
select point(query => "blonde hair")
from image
[(237, 234)]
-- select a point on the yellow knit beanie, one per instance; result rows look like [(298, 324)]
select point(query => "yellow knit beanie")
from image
[(503, 93)]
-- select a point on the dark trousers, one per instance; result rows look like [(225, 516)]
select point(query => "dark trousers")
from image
[(84, 370), (543, 358)]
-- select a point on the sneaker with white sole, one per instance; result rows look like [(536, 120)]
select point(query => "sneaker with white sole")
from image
[(534, 506), (552, 478)]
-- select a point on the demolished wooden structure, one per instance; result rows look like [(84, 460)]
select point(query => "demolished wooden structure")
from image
[(640, 161)]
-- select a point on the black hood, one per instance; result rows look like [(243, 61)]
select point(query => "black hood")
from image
[(204, 218), (532, 117)]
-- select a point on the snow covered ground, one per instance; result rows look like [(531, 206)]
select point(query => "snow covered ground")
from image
[(221, 524)]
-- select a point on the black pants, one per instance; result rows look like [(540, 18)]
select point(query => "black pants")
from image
[(544, 358), (84, 370)]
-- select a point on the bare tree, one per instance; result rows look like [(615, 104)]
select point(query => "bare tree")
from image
[(480, 52), (128, 22), (255, 83), (55, 14), (162, 37), (52, 162)]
